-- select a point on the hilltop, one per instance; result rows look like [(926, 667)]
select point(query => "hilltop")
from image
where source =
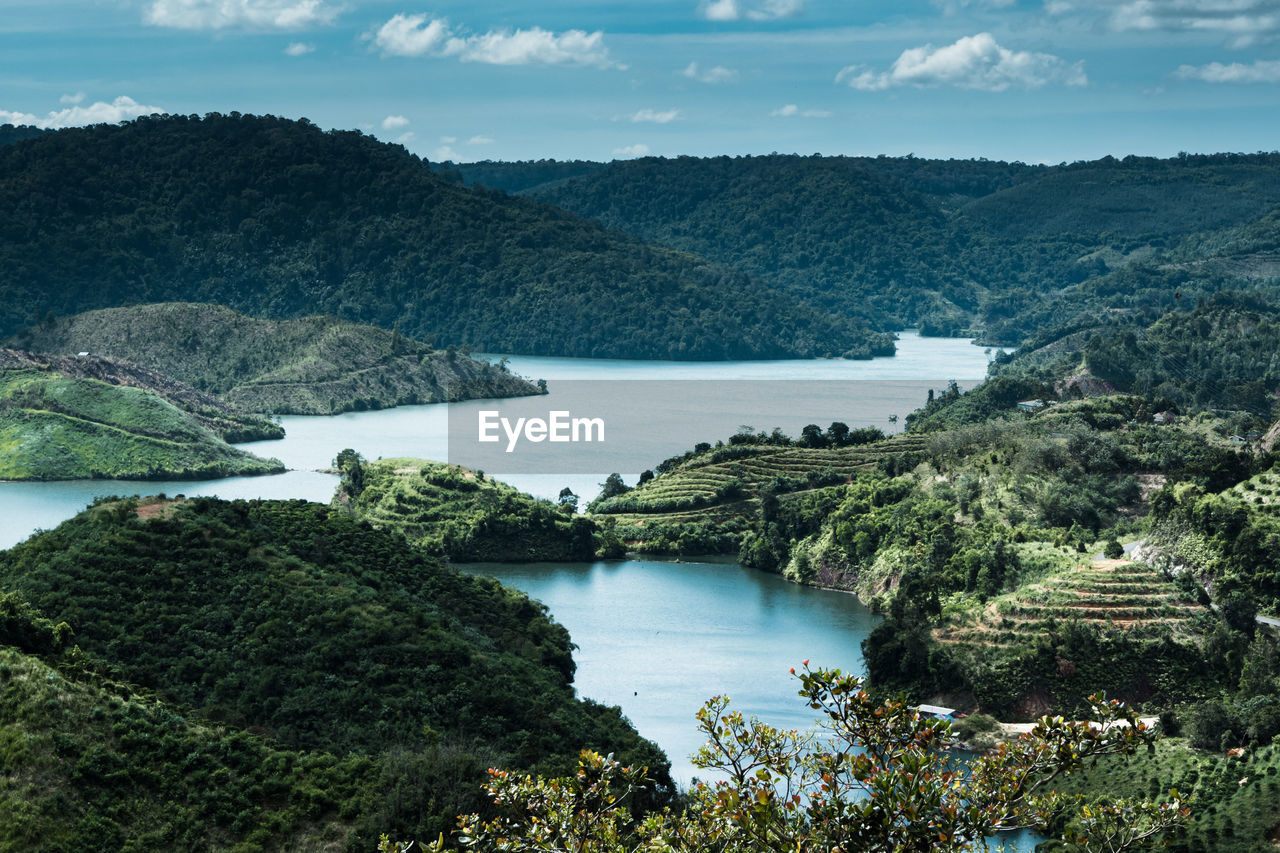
[(228, 421), (345, 680), (277, 218), (306, 366), (57, 423), (454, 512)]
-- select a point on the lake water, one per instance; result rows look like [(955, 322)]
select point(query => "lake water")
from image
[(660, 638), (656, 638)]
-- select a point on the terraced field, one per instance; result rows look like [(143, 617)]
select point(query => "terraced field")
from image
[(1262, 490), (1117, 594), (721, 496)]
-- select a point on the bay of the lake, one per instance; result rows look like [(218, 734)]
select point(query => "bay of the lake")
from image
[(656, 638)]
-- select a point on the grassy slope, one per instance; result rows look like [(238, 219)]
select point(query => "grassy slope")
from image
[(307, 366), (59, 428), (228, 421), (455, 512)]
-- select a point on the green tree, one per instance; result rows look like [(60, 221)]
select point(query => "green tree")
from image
[(874, 777)]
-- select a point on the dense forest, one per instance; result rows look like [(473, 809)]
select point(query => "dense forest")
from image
[(949, 245), (373, 684), (277, 218), (306, 366)]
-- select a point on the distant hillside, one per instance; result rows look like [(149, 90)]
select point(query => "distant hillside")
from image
[(308, 366), (278, 218), (949, 245), (826, 229), (457, 513), (1136, 197), (10, 134), (64, 427), (319, 635)]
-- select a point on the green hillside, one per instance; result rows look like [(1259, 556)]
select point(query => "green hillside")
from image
[(301, 632), (55, 427), (827, 229), (308, 366), (1006, 249), (277, 218), (228, 421), (89, 762), (463, 515)]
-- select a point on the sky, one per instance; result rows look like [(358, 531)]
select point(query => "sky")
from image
[(1038, 81)]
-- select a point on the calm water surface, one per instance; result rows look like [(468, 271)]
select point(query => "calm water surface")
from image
[(660, 638), (656, 638)]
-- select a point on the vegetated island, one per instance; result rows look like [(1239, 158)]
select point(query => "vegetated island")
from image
[(466, 516), (204, 674), (93, 418), (316, 365)]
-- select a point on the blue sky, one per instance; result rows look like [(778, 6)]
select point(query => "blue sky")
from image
[(1043, 81)]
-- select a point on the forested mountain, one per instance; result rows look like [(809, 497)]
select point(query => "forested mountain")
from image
[(1002, 248), (306, 366), (308, 633), (16, 133), (278, 218), (827, 229)]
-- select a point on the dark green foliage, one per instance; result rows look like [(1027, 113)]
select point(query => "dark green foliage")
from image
[(827, 229), (91, 765), (10, 134), (278, 218), (293, 620)]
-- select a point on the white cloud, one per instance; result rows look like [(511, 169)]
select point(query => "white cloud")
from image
[(411, 35), (534, 46), (394, 122), (299, 48), (1243, 22), (480, 140), (71, 99), (448, 140), (637, 150), (415, 35), (238, 14), (664, 117), (973, 62), (121, 109), (951, 7), (715, 74), (1262, 71), (405, 137), (793, 110), (761, 10)]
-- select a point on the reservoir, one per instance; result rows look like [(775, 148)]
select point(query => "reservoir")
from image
[(656, 638)]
